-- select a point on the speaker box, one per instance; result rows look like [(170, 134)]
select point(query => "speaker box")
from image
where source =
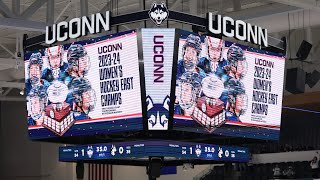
[(295, 80), (312, 78), (304, 50)]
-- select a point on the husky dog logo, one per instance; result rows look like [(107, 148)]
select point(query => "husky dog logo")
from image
[(90, 151), (198, 150), (158, 13), (158, 114)]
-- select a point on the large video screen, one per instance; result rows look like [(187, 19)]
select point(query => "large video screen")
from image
[(227, 89), (84, 88)]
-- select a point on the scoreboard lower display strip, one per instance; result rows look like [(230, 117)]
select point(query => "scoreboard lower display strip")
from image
[(142, 149)]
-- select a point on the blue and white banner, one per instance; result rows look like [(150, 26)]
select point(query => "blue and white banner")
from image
[(158, 49)]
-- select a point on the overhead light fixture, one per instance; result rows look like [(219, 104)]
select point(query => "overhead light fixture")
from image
[(22, 92)]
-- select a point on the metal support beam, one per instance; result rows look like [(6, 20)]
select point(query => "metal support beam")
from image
[(262, 11), (6, 49), (32, 8), (7, 40), (62, 12), (92, 5), (5, 11), (175, 4), (19, 85), (105, 7), (193, 5), (16, 7), (23, 25), (11, 62), (50, 12), (84, 8), (21, 45), (305, 4), (13, 98), (236, 5)]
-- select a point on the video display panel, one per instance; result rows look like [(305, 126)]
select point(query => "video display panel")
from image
[(84, 88), (158, 50), (139, 150), (227, 88)]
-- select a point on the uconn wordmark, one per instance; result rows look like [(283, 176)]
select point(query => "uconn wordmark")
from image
[(238, 29), (77, 27), (158, 58)]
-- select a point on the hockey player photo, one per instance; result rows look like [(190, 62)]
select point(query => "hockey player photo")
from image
[(36, 102), (237, 65), (78, 62), (84, 98), (236, 100), (57, 67), (34, 72), (190, 56), (214, 62), (78, 66), (187, 90)]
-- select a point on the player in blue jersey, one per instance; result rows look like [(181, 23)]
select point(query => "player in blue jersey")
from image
[(36, 103), (235, 99), (84, 98), (78, 62), (34, 72), (214, 62), (78, 66), (190, 57), (57, 68), (236, 64), (187, 92)]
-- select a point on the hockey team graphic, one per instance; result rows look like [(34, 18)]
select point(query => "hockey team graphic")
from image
[(209, 87), (222, 83), (60, 94), (83, 83), (93, 86)]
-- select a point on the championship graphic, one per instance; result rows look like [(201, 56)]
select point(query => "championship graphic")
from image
[(58, 113), (64, 94), (209, 88), (83, 83), (222, 87), (209, 110)]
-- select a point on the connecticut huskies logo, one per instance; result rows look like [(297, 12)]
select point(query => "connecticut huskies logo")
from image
[(158, 114), (158, 13)]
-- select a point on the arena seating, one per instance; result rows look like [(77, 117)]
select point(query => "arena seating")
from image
[(301, 170)]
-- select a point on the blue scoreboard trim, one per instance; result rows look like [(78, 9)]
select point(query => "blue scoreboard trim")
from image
[(105, 127), (253, 132), (140, 149)]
